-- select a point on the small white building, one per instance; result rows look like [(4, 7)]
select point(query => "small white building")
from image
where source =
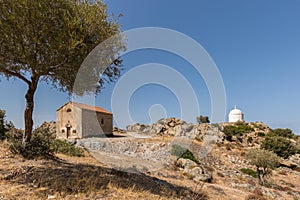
[(236, 115)]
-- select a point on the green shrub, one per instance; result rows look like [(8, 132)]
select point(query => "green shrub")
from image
[(279, 145), (181, 152), (287, 133), (202, 119), (67, 148), (42, 144), (2, 125), (5, 126), (249, 139), (261, 134), (263, 160), (38, 147), (250, 172), (238, 129)]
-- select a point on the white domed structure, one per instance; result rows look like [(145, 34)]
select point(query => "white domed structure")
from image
[(236, 115)]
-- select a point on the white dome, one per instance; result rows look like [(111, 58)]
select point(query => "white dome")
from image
[(235, 112), (236, 115)]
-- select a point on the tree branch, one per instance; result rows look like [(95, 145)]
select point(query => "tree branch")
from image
[(16, 74)]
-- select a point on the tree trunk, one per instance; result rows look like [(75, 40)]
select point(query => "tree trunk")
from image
[(29, 111), (258, 174)]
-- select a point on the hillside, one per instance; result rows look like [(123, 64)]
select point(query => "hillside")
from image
[(78, 178), (137, 164)]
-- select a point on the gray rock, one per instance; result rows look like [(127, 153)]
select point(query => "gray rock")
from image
[(186, 163)]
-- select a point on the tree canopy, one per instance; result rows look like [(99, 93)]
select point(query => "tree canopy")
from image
[(48, 40), (263, 160)]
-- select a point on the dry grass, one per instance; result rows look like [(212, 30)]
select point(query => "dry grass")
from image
[(80, 178)]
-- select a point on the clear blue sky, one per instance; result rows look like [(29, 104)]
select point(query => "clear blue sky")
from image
[(255, 45)]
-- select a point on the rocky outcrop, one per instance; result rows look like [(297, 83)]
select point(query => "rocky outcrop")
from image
[(179, 128), (293, 162), (49, 125), (193, 170), (118, 130)]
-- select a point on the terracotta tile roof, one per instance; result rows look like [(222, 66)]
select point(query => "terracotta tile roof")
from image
[(93, 108), (87, 107)]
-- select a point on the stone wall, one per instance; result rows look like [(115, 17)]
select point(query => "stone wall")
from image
[(96, 124), (72, 116)]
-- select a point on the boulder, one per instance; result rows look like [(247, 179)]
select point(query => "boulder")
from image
[(194, 170), (186, 163), (201, 175), (172, 124), (288, 164)]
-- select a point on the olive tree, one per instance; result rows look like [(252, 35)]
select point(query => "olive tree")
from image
[(264, 161), (48, 40)]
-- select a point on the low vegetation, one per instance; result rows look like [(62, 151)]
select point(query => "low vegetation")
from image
[(81, 178), (2, 124), (39, 146), (250, 172), (238, 129), (279, 132), (181, 152), (264, 161), (67, 148), (261, 134), (203, 119), (42, 144), (281, 146)]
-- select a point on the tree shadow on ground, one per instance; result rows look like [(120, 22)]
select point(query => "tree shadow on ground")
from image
[(68, 179)]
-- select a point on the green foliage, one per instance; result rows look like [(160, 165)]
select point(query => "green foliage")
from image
[(264, 161), (67, 148), (42, 145), (2, 124), (250, 172), (39, 146), (249, 139), (61, 35), (287, 133), (281, 146), (203, 119), (50, 40), (238, 129), (261, 134), (263, 158), (181, 152), (5, 126)]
